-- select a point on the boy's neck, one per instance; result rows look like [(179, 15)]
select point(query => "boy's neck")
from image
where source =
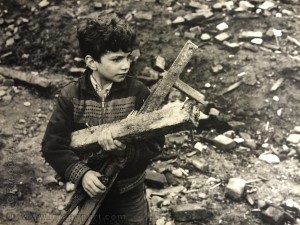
[(102, 82)]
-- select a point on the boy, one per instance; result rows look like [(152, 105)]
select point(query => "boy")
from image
[(102, 95)]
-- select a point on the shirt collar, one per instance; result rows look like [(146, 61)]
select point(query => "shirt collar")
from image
[(86, 84)]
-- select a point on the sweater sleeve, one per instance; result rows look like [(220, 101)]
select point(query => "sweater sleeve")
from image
[(55, 144)]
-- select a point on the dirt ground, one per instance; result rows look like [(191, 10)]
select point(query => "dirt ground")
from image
[(262, 107)]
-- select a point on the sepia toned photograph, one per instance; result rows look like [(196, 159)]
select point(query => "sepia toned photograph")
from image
[(149, 112)]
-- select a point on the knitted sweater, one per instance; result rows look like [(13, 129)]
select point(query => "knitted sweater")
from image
[(79, 106)]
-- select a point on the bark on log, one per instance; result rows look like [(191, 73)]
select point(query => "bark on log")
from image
[(172, 118)]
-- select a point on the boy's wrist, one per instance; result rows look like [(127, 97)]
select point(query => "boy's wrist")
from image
[(75, 172)]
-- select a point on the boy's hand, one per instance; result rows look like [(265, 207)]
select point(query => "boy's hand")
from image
[(106, 141), (91, 184)]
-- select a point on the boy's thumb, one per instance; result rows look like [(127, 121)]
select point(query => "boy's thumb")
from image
[(98, 174)]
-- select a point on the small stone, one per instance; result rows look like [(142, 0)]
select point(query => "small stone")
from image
[(7, 98), (190, 212), (189, 35), (276, 98), (222, 37), (199, 146), (214, 112), (44, 4), (6, 55), (267, 5), (205, 37), (160, 221), (160, 64), (224, 142), (236, 125), (250, 34), (202, 195), (166, 202), (2, 93), (22, 121), (239, 140), (249, 79), (177, 172), (27, 104), (170, 223), (273, 215), (143, 15), (60, 207), (207, 85), (257, 41), (155, 180), (202, 166), (196, 30), (229, 133), (178, 20), (269, 158), (290, 203), (293, 138), (235, 188), (98, 5), (222, 26), (217, 69), (261, 204), (50, 180), (296, 129), (9, 42), (287, 12), (195, 4), (246, 5), (156, 201), (76, 70), (231, 45)]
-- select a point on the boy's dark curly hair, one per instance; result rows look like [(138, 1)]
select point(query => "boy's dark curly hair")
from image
[(103, 34)]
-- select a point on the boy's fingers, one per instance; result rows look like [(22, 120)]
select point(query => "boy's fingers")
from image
[(120, 145), (108, 143), (100, 187)]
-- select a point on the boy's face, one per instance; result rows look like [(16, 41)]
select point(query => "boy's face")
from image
[(113, 66)]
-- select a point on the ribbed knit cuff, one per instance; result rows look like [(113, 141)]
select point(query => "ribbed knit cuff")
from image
[(75, 172)]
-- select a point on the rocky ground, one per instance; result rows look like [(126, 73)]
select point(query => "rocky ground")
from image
[(242, 168)]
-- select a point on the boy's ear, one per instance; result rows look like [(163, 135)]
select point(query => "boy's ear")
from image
[(90, 62)]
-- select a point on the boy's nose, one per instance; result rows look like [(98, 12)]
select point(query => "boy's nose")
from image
[(125, 64)]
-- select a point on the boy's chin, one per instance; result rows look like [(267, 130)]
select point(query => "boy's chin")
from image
[(119, 79)]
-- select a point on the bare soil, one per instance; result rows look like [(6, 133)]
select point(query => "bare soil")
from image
[(46, 43)]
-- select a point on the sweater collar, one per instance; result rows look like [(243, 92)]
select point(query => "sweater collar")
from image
[(86, 85)]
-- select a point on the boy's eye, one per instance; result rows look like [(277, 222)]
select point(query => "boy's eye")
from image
[(117, 59)]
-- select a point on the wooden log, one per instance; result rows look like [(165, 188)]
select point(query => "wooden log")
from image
[(172, 118), (156, 98), (25, 77)]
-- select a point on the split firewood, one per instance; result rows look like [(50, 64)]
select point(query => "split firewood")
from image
[(172, 118)]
